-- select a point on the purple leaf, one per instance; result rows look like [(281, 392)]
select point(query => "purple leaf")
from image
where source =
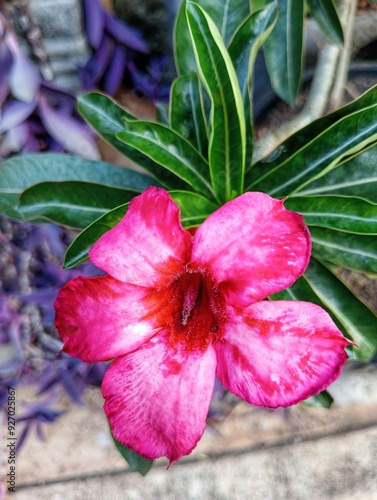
[(61, 95), (14, 140), (115, 71), (95, 68), (94, 22), (68, 131), (15, 113), (32, 145), (5, 66), (24, 78), (124, 34)]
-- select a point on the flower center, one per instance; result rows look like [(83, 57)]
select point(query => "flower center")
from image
[(199, 310), (191, 309)]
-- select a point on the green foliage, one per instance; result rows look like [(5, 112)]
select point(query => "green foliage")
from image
[(20, 173), (322, 400), (324, 12), (135, 461), (284, 48)]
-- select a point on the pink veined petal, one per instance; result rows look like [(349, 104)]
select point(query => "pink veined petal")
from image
[(101, 318), (253, 247), (157, 398), (280, 353), (148, 246)]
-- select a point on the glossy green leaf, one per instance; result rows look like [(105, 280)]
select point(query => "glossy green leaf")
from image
[(21, 172), (355, 177), (136, 462), (194, 207), (325, 15), (164, 146), (346, 137), (283, 50), (258, 4), (306, 135), (322, 400), (186, 112), (162, 112), (194, 210), (243, 51), (342, 213), (226, 15), (352, 251), (70, 203), (108, 119), (227, 140), (184, 55), (357, 319), (77, 252)]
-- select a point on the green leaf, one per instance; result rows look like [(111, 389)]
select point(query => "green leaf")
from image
[(194, 210), (304, 136), (227, 140), (243, 51), (108, 119), (283, 50), (226, 15), (325, 15), (184, 56), (21, 172), (78, 250), (355, 177), (322, 400), (359, 322), (137, 462), (186, 112), (352, 251), (171, 151), (319, 286), (70, 203), (346, 137), (342, 213), (194, 207), (162, 112)]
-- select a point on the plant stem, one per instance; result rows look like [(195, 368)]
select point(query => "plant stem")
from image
[(345, 54)]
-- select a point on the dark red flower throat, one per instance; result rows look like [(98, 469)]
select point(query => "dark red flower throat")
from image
[(191, 308)]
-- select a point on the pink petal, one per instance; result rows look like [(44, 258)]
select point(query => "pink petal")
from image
[(157, 398), (280, 353), (253, 247), (148, 246), (101, 318)]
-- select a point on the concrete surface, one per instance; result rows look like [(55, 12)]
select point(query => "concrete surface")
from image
[(296, 454)]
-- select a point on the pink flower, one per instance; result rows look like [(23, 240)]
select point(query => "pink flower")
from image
[(176, 309)]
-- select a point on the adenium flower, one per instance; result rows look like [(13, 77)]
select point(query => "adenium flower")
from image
[(176, 309)]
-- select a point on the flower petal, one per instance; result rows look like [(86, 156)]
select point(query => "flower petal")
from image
[(157, 398), (101, 318), (253, 247), (280, 353), (148, 246)]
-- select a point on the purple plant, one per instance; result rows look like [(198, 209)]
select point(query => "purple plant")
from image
[(31, 275), (38, 115)]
